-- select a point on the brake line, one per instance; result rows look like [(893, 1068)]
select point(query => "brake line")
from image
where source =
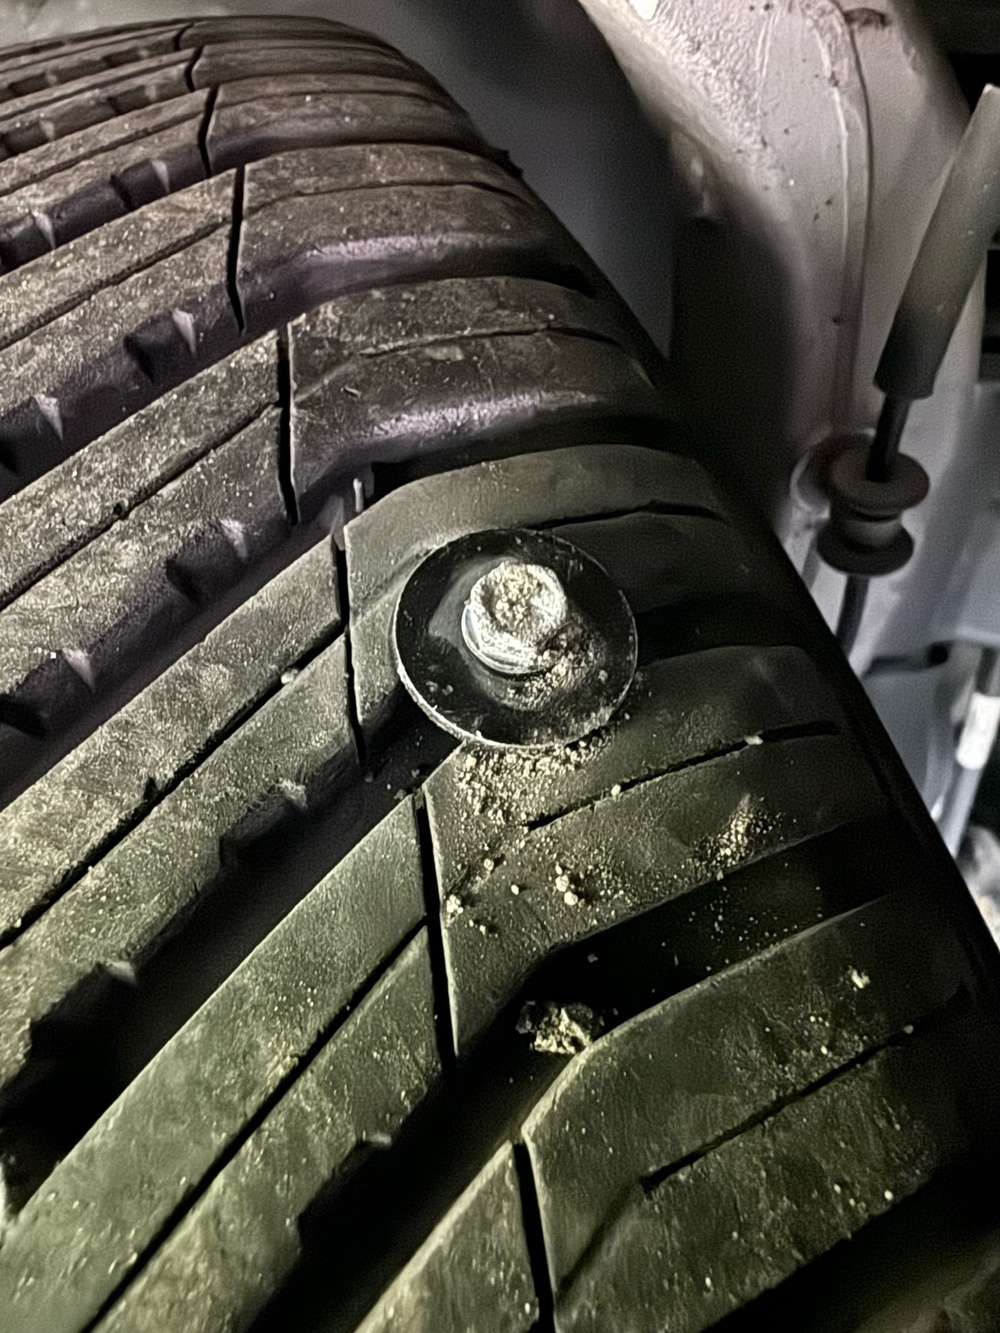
[(864, 536)]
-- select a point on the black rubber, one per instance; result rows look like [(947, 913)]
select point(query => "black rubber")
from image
[(309, 1016)]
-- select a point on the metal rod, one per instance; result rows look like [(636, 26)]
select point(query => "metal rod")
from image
[(961, 796), (964, 220), (888, 433), (851, 610)]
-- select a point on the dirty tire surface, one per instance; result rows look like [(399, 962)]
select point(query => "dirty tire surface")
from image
[(310, 1015)]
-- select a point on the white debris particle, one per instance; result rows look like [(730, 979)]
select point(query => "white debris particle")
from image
[(591, 957), (559, 1029), (616, 790), (515, 889), (488, 863), (570, 898), (823, 1050), (453, 907), (908, 1029), (708, 1284), (562, 883), (860, 979), (753, 740), (836, 1189), (286, 679), (295, 794), (888, 1195)]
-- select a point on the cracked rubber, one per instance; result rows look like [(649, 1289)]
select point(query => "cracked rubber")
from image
[(310, 1016)]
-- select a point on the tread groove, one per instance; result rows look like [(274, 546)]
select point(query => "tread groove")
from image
[(116, 184), (233, 255), (531, 1217), (959, 1004), (460, 339), (120, 511), (189, 67), (20, 717), (773, 736), (139, 357), (439, 968), (204, 128), (256, 1120), (343, 590), (285, 430), (156, 793)]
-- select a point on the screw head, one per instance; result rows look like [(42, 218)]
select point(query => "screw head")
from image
[(513, 616), (514, 638)]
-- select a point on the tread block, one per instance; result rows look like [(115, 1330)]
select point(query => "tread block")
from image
[(730, 1050), (459, 395), (473, 1272), (286, 757), (63, 279), (448, 311), (242, 131), (231, 61), (81, 1232), (385, 544), (146, 156), (28, 122), (83, 373), (240, 1241), (84, 57), (671, 796), (80, 628), (53, 830), (68, 167), (740, 1219), (252, 27), (369, 166), (84, 496), (667, 560), (370, 237), (123, 38), (308, 83)]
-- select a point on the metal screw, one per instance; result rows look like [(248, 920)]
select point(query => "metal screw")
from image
[(513, 614)]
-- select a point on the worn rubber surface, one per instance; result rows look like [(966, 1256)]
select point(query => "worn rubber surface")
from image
[(309, 1016)]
